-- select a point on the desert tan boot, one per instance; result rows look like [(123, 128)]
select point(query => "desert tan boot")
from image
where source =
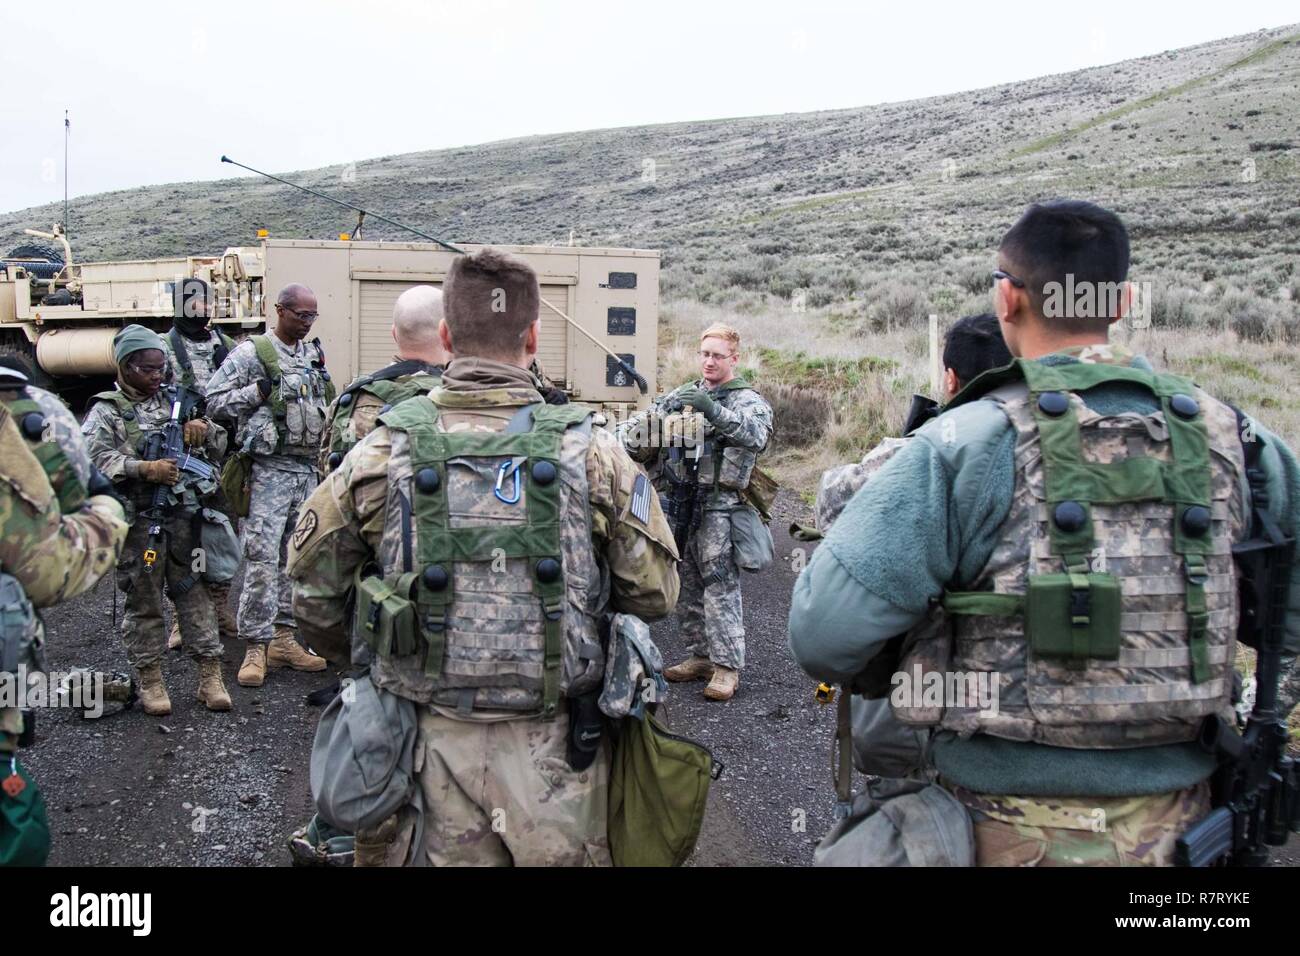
[(174, 638), (285, 651), (220, 594), (693, 668), (723, 685), (253, 671), (212, 689), (153, 692)]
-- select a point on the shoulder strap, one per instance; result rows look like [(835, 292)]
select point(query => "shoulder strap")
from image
[(225, 345), (182, 355), (266, 355)]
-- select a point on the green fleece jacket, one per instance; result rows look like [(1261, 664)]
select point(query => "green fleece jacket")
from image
[(929, 520)]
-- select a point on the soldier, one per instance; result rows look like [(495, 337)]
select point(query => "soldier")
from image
[(511, 528), (117, 429), (276, 387), (1073, 520), (973, 345), (49, 553), (194, 351), (738, 430), (416, 369)]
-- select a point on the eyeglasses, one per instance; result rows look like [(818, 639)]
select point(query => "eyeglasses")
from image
[(716, 356), (305, 316), (999, 274), (147, 369)]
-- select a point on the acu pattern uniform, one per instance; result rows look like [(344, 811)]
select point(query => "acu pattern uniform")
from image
[(116, 430), (283, 434), (509, 590), (710, 609), (194, 362)]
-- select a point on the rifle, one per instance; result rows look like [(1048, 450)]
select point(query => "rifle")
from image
[(169, 443), (681, 503), (1257, 787)]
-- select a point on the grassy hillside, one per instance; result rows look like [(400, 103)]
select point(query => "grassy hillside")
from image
[(828, 237)]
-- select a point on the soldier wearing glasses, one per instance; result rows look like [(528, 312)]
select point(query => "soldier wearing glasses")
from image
[(717, 470), (276, 388)]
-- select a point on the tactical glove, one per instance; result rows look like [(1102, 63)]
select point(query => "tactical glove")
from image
[(195, 432), (701, 401), (160, 472)]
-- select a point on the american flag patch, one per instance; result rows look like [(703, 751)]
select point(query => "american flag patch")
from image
[(641, 498)]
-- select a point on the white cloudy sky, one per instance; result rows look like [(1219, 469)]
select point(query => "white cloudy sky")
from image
[(158, 91)]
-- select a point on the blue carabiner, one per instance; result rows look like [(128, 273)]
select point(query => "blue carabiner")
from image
[(501, 477)]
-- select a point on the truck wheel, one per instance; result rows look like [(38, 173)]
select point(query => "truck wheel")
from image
[(46, 251), (22, 356)]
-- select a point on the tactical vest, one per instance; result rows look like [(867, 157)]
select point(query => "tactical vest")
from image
[(391, 385), (490, 595), (63, 477), (219, 353), (280, 411), (1108, 609), (720, 464)]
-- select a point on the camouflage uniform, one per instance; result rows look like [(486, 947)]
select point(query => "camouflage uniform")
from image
[(54, 555), (710, 609), (841, 483), (116, 451), (495, 783), (284, 471), (366, 398), (204, 357)]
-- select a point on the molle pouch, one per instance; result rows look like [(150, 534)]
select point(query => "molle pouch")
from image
[(221, 549), (17, 624), (1073, 617), (236, 482), (736, 467), (633, 670), (751, 541), (385, 617), (296, 391)]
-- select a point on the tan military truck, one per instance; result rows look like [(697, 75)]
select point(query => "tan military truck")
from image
[(63, 314)]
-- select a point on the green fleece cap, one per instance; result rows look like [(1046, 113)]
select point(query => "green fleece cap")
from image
[(134, 338)]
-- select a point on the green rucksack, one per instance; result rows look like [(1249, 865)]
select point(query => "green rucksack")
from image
[(24, 828)]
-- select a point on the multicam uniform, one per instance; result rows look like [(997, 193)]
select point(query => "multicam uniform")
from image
[(352, 415), (116, 431), (710, 610), (509, 594), (48, 554), (1035, 508), (283, 434)]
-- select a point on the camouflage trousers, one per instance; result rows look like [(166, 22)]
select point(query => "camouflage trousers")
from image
[(267, 596), (501, 793), (1082, 831), (709, 607), (143, 633)]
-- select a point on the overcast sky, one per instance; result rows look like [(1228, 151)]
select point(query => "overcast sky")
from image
[(157, 92)]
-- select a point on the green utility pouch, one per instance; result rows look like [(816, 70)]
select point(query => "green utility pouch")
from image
[(385, 619), (658, 789), (751, 541), (24, 827), (222, 553), (236, 482), (1073, 616)]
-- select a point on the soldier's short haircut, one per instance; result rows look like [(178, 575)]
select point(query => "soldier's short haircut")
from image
[(974, 345), (720, 330), (1066, 237), (489, 300)]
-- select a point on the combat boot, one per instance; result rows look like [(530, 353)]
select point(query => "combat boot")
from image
[(212, 689), (285, 651), (693, 668), (153, 693), (253, 671), (174, 638), (723, 685), (220, 594)]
